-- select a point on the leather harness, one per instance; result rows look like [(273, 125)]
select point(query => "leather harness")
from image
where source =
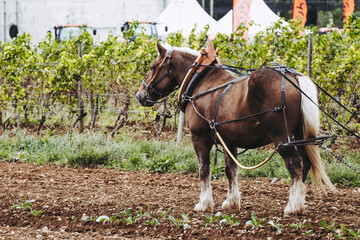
[(151, 86)]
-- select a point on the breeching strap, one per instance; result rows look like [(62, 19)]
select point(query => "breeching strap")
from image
[(321, 109)]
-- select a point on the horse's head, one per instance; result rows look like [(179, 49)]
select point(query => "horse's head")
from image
[(160, 80)]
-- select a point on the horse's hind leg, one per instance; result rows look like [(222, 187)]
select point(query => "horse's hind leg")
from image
[(233, 195), (202, 148), (294, 164), (303, 154)]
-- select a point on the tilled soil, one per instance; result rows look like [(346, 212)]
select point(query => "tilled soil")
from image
[(141, 206)]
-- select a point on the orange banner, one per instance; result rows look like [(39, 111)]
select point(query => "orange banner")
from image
[(348, 8), (300, 11), (241, 14)]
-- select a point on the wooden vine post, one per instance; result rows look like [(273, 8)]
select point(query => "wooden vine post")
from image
[(80, 91), (310, 54)]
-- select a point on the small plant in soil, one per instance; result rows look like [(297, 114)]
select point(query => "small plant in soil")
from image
[(103, 218), (255, 222), (210, 218), (28, 205), (342, 232), (153, 222), (230, 220), (276, 225), (163, 214), (300, 225), (323, 225), (184, 222)]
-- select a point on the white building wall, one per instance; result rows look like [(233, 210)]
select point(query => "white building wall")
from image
[(39, 16)]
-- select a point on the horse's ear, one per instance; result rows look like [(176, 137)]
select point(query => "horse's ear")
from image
[(161, 49)]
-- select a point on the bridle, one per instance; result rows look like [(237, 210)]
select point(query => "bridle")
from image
[(151, 86)]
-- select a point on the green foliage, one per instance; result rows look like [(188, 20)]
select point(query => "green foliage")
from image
[(103, 218), (323, 225), (162, 165), (300, 225), (211, 218), (340, 231), (89, 157), (255, 222), (28, 205), (304, 228), (127, 153), (276, 225), (46, 77), (184, 222), (230, 220), (39, 78), (222, 219)]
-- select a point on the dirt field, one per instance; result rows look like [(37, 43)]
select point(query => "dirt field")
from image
[(142, 202)]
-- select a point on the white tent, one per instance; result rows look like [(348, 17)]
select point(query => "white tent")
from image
[(183, 15), (260, 14), (224, 24)]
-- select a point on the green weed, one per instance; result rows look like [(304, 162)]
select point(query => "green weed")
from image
[(28, 205), (254, 222), (229, 220), (184, 222), (301, 225), (162, 165), (124, 152), (211, 218), (276, 225)]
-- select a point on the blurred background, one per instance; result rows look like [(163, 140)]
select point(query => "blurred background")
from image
[(37, 17)]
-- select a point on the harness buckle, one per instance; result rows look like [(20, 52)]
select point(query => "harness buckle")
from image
[(277, 109), (212, 124)]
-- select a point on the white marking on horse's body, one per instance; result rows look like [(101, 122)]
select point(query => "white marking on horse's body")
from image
[(233, 196), (183, 49), (206, 203), (296, 204)]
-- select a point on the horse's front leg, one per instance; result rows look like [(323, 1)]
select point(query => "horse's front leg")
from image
[(202, 148), (233, 195)]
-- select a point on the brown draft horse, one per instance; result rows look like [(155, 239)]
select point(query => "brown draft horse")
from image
[(256, 93)]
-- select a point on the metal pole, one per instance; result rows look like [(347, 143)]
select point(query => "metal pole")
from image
[(4, 21), (310, 53), (180, 129), (17, 14), (203, 4), (212, 8)]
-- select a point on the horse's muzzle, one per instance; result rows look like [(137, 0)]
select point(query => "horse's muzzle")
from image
[(144, 99)]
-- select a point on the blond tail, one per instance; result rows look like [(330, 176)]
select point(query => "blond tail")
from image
[(310, 129)]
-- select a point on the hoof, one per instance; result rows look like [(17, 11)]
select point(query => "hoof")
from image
[(294, 210), (231, 204), (201, 207), (296, 204)]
